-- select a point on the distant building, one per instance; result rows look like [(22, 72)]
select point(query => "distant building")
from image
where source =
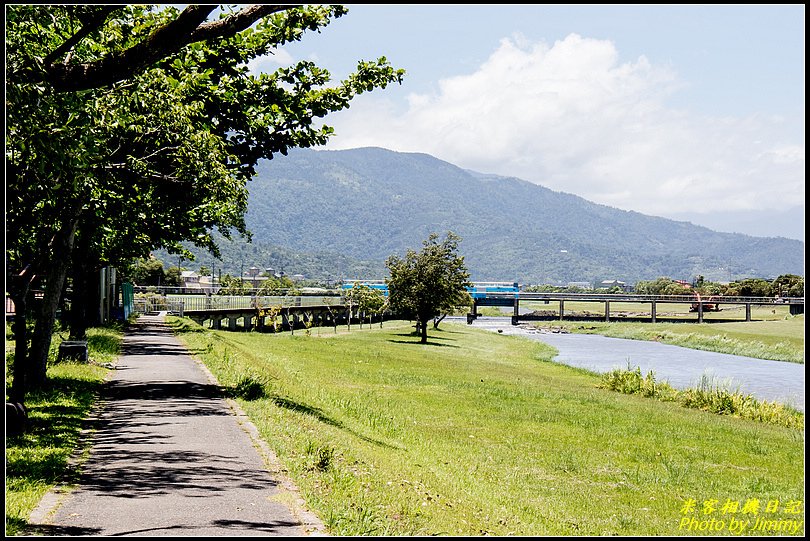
[(193, 281), (209, 284), (190, 279), (253, 281), (610, 284)]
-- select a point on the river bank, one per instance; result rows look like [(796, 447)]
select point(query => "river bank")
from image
[(681, 367)]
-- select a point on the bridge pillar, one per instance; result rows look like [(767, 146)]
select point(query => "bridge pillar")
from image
[(652, 311), (516, 313), (232, 322), (562, 309), (607, 311), (700, 312), (247, 321), (748, 311), (259, 322), (216, 322), (472, 316)]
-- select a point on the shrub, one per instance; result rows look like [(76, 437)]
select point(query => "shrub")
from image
[(631, 381), (249, 388), (707, 396)]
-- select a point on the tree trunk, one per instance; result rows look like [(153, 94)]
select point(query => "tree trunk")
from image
[(19, 296), (423, 331), (54, 282), (437, 320), (83, 300)]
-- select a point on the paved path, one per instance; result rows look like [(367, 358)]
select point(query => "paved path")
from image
[(171, 457)]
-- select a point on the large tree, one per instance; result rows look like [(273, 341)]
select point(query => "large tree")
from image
[(132, 128), (428, 283)]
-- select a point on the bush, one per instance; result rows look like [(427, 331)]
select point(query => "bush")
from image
[(630, 381), (249, 388), (707, 396)]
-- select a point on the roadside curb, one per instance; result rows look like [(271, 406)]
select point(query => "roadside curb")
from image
[(310, 522)]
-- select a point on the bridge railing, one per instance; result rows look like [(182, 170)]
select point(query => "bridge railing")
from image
[(618, 297), (158, 304), (186, 303), (225, 302)]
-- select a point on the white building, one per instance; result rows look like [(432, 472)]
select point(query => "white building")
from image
[(190, 279)]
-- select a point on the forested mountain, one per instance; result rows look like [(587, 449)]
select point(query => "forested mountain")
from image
[(366, 204)]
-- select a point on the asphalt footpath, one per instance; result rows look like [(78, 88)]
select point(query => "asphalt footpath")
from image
[(170, 455)]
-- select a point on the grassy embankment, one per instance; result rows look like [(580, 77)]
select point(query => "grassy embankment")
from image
[(772, 334), (478, 433), (38, 459)]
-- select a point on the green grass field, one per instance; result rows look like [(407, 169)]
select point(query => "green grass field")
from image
[(477, 433)]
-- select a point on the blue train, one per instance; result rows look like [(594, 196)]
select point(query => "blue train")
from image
[(379, 285), (479, 290)]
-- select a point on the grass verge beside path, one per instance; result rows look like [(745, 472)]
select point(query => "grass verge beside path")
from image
[(477, 433), (38, 459), (778, 340)]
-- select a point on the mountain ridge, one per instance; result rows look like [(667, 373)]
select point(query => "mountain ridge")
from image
[(369, 203)]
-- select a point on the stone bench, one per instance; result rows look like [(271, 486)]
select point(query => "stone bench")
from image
[(73, 349)]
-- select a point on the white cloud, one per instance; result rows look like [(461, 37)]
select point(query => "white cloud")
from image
[(573, 118), (270, 62)]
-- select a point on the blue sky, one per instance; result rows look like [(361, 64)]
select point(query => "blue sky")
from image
[(692, 113)]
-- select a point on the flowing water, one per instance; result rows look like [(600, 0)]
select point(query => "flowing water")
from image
[(774, 381)]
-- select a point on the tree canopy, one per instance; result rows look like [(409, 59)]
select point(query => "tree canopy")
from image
[(132, 128), (366, 300), (429, 283)]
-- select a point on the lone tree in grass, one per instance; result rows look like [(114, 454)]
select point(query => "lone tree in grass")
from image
[(429, 283)]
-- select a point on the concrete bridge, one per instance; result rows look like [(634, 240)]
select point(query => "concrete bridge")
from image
[(274, 313), (264, 314), (699, 305)]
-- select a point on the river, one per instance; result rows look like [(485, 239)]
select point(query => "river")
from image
[(774, 381)]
